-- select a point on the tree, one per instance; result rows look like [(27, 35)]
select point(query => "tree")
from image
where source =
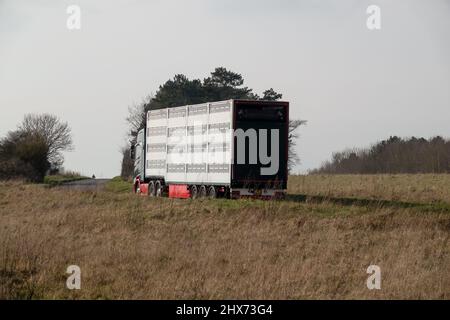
[(23, 155), (35, 147), (136, 121), (393, 155), (127, 167), (224, 85), (293, 157), (221, 77), (177, 92), (55, 133), (136, 116), (271, 95)]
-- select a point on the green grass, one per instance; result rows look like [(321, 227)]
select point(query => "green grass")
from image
[(56, 180), (119, 185)]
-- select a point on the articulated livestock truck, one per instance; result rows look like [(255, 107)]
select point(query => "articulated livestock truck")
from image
[(232, 149)]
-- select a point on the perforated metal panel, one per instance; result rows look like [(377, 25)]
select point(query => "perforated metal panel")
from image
[(190, 144)]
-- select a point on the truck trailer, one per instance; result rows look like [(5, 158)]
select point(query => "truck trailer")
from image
[(233, 149)]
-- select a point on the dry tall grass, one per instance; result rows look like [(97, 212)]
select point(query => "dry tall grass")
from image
[(399, 187), (135, 247)]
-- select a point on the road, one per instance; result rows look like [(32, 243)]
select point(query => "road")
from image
[(86, 184)]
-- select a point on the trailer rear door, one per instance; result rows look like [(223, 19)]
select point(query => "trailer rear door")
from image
[(260, 116)]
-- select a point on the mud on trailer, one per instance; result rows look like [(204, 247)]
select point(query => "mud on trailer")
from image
[(232, 148)]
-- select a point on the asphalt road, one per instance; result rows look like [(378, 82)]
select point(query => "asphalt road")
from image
[(86, 184)]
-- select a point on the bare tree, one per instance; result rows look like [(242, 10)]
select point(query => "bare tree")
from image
[(293, 157), (55, 133), (136, 121), (136, 116)]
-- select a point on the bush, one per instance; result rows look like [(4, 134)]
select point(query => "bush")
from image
[(34, 148), (23, 156)]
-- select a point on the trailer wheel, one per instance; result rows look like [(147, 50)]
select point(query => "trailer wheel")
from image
[(203, 192), (151, 188), (158, 189), (212, 193), (194, 192)]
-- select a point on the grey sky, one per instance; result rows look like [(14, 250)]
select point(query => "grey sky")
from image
[(354, 86)]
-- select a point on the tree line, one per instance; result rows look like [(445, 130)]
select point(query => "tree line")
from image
[(222, 84), (394, 155)]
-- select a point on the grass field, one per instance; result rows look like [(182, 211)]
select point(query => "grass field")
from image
[(422, 188), (135, 247)]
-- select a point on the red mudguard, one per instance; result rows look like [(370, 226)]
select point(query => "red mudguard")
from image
[(179, 191)]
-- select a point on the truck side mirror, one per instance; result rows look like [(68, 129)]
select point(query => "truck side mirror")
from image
[(132, 152)]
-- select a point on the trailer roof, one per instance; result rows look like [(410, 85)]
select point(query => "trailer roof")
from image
[(247, 101)]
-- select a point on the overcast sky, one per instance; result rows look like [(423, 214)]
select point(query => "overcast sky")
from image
[(353, 85)]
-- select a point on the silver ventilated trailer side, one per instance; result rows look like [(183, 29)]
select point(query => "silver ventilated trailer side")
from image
[(190, 144), (156, 141)]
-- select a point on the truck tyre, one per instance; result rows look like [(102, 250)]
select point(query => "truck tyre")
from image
[(151, 189), (194, 192), (212, 193), (158, 188), (202, 192)]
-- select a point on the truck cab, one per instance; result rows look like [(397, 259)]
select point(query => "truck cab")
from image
[(138, 154)]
